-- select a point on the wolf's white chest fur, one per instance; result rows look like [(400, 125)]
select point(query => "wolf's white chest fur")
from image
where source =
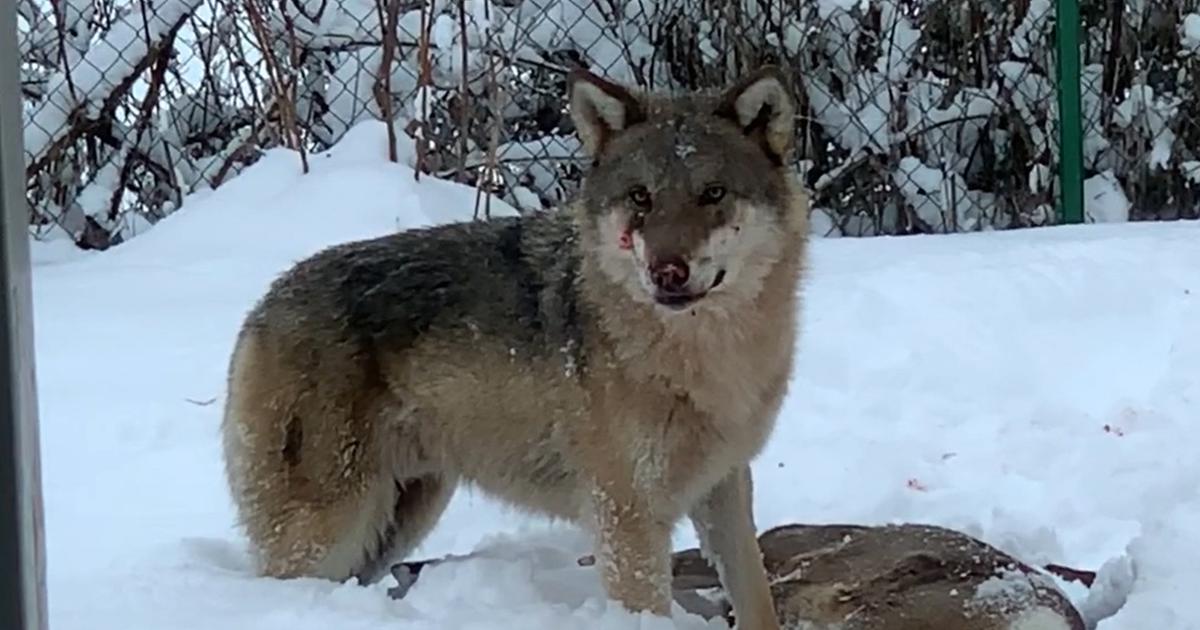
[(730, 390), (720, 364)]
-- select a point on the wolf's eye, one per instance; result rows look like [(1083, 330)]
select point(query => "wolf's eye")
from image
[(712, 194), (640, 197)]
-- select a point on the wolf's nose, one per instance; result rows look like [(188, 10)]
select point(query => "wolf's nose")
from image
[(670, 274)]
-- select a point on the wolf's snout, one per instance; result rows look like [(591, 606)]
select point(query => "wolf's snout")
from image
[(670, 275)]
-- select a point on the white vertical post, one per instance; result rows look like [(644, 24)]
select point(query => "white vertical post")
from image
[(22, 550)]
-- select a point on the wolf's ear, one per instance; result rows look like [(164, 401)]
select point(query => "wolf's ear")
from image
[(763, 105), (600, 109)]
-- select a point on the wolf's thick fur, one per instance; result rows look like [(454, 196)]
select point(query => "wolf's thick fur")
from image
[(617, 363)]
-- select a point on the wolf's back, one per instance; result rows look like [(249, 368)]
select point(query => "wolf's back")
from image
[(512, 278)]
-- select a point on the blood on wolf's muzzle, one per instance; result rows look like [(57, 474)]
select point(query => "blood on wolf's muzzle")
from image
[(670, 275)]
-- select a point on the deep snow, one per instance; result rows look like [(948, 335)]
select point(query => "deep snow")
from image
[(1035, 388)]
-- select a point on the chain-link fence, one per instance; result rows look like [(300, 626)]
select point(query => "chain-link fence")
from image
[(915, 115), (1141, 107)]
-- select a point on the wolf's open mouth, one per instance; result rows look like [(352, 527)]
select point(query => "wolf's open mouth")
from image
[(680, 301)]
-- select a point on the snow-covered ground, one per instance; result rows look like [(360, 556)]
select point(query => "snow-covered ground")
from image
[(1039, 389)]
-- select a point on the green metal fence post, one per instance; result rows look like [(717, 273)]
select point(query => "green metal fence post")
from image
[(1070, 113)]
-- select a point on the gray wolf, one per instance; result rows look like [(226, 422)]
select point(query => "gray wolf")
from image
[(616, 363)]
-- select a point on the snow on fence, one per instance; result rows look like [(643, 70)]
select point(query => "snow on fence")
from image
[(916, 115)]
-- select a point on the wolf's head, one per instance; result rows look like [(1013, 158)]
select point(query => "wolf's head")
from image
[(689, 200)]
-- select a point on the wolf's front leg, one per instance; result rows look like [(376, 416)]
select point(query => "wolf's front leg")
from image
[(725, 526), (633, 548)]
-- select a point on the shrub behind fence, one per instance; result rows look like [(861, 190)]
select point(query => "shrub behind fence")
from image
[(916, 115)]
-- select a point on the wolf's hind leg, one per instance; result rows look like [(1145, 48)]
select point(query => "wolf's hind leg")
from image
[(417, 505), (312, 463)]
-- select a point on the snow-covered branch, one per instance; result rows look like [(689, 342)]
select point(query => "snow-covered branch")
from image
[(915, 115), (88, 89)]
